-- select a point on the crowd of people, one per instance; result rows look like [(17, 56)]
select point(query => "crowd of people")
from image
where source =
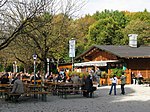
[(17, 80), (87, 80), (136, 78)]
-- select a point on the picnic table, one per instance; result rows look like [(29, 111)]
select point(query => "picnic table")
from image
[(3, 89), (30, 90), (63, 89), (69, 89), (38, 91)]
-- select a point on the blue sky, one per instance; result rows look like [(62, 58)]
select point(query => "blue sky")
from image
[(129, 5)]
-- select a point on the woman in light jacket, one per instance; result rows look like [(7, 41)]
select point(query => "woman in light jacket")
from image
[(114, 82)]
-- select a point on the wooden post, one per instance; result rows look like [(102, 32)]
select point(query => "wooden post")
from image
[(128, 75), (108, 79)]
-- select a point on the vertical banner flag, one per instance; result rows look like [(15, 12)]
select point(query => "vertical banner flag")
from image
[(72, 48)]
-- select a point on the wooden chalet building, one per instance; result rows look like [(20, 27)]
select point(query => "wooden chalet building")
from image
[(132, 59)]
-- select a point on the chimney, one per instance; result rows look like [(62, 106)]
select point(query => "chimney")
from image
[(133, 40)]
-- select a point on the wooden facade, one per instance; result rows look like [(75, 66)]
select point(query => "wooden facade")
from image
[(134, 59), (65, 66), (98, 55), (139, 64)]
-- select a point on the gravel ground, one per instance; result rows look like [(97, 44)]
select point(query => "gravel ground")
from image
[(136, 99)]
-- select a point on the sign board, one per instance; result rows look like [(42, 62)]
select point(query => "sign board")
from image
[(72, 48)]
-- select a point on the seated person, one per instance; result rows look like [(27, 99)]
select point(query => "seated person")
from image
[(37, 77), (18, 88), (75, 79), (25, 76), (89, 87), (4, 79), (14, 78)]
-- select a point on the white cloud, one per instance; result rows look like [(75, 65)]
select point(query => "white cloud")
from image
[(129, 5)]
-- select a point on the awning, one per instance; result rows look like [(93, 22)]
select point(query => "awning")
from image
[(94, 63)]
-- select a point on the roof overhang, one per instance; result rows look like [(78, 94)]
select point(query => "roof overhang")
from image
[(94, 63)]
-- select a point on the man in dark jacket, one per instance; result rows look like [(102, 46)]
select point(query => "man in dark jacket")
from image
[(4, 79), (88, 86)]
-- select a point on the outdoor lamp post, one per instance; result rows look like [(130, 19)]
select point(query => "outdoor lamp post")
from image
[(48, 66), (34, 58)]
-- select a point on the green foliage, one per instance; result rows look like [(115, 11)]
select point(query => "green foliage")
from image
[(108, 28), (80, 74), (113, 27), (138, 27), (1, 68), (117, 71), (80, 31), (46, 33), (104, 74)]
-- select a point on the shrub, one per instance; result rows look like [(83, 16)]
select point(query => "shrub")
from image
[(117, 71), (80, 74), (104, 74)]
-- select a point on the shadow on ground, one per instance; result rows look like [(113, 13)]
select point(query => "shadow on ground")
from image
[(102, 102)]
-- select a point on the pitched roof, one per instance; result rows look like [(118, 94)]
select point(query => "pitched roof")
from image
[(123, 51)]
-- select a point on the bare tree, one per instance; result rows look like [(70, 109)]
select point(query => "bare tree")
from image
[(15, 16), (2, 3), (23, 20)]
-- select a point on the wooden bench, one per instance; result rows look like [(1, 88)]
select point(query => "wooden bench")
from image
[(43, 94), (63, 92), (13, 97), (65, 89), (3, 90), (3, 93)]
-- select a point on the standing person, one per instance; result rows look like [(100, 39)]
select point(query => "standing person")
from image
[(114, 82), (123, 82), (133, 78), (97, 76), (140, 77)]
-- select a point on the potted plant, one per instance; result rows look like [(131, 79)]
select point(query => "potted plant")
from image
[(82, 74), (117, 71), (104, 74)]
